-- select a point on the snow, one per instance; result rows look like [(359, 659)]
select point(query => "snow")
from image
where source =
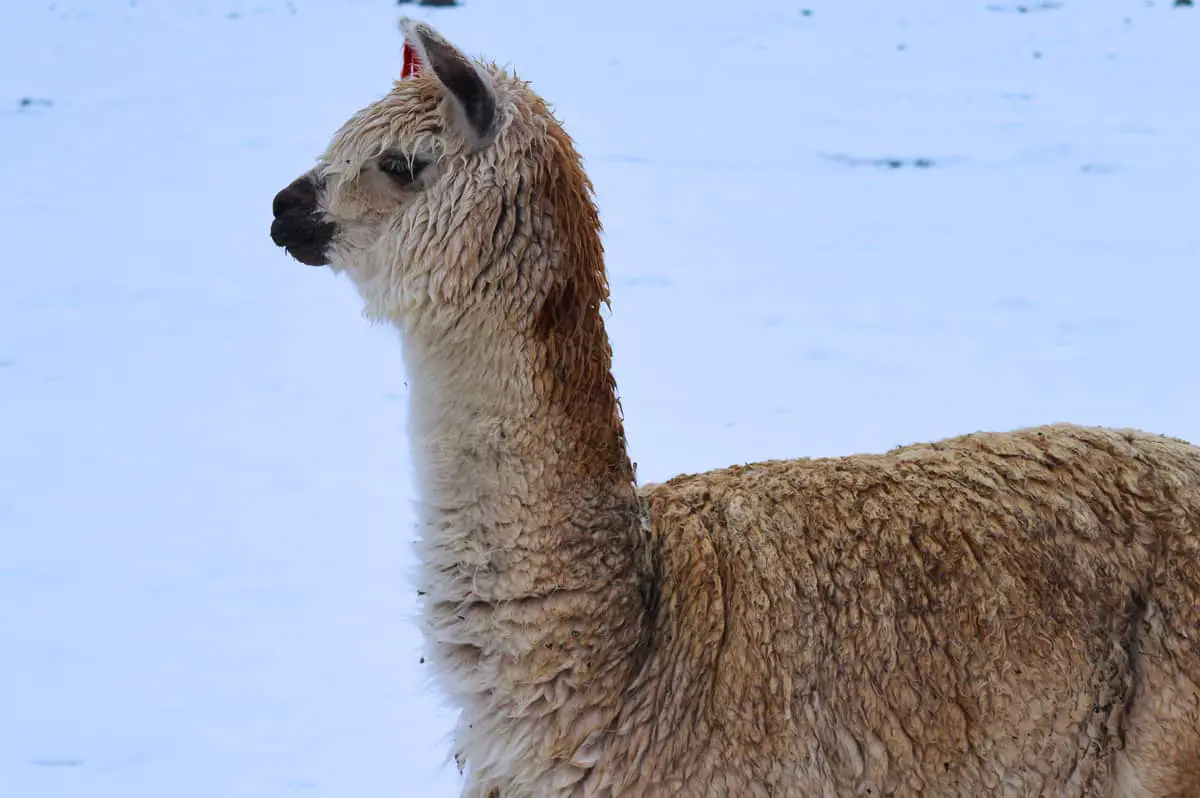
[(205, 495)]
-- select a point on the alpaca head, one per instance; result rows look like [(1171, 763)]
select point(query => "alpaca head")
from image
[(456, 195)]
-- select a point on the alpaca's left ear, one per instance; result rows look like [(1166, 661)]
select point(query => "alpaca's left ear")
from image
[(469, 87)]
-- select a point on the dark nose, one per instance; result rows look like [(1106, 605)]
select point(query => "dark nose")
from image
[(299, 226), (301, 193)]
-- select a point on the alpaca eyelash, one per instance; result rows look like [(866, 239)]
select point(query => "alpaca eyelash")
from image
[(403, 169)]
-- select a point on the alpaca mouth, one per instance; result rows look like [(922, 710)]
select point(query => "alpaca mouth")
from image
[(304, 239), (299, 226)]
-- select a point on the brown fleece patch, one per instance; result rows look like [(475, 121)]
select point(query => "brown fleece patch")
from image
[(577, 351)]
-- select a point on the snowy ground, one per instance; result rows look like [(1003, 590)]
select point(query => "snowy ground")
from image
[(204, 487)]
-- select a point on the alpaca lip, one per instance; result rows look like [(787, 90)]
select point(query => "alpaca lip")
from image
[(309, 257), (304, 239)]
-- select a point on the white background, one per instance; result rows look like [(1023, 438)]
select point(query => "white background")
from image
[(205, 496)]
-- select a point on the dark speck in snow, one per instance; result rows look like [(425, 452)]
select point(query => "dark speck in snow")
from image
[(55, 762)]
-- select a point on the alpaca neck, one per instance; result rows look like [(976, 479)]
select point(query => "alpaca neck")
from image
[(504, 444), (531, 544)]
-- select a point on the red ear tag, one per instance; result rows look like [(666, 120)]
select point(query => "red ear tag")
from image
[(410, 63)]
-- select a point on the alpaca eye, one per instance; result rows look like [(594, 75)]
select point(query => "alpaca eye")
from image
[(401, 168)]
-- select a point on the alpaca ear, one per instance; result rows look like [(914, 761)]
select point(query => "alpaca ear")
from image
[(468, 86)]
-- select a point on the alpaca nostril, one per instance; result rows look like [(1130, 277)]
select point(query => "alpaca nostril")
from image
[(300, 193), (279, 205), (286, 200)]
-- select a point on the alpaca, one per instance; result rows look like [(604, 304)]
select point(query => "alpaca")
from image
[(1008, 614)]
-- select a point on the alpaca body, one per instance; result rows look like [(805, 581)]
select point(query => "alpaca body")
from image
[(999, 614)]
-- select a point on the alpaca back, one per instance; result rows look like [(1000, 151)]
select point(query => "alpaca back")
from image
[(956, 618)]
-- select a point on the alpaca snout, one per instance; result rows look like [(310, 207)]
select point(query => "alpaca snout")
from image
[(299, 226)]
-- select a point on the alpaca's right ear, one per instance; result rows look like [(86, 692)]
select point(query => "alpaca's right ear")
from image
[(469, 87)]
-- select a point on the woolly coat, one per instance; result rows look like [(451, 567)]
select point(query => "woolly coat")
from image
[(998, 614)]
